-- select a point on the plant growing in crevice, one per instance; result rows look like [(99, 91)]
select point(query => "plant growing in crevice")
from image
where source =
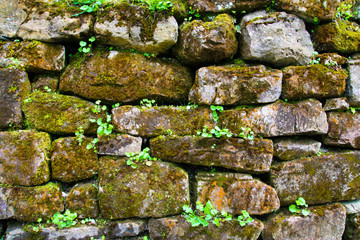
[(247, 133), (193, 13), (215, 112), (64, 220), (87, 6), (344, 11), (155, 5), (142, 157), (146, 103), (79, 135), (215, 132), (85, 47), (315, 60), (300, 206)]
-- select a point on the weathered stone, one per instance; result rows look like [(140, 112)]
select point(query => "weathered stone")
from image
[(31, 203), (60, 114), (118, 145), (82, 200), (336, 104), (11, 17), (340, 36), (206, 42), (310, 9), (323, 222), (178, 228), (344, 129), (253, 156), (34, 56), (319, 179), (71, 161), (276, 38), (14, 88), (124, 228), (289, 149), (231, 192), (235, 85), (155, 121), (331, 59), (130, 27), (317, 81), (139, 78), (45, 84), (352, 207), (147, 191), (278, 119), (23, 157), (352, 227), (208, 6), (353, 84)]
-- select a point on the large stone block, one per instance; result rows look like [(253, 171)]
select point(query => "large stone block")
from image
[(288, 148), (12, 15), (117, 145)]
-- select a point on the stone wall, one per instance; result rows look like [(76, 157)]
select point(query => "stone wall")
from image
[(274, 93)]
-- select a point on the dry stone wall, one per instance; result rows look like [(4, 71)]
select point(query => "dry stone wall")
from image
[(249, 105)]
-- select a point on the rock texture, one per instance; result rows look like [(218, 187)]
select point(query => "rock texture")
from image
[(124, 228), (118, 145), (24, 157), (235, 85), (278, 119), (319, 179), (323, 222), (208, 6), (336, 104), (179, 228), (275, 38), (148, 191), (231, 192), (344, 130), (206, 42), (45, 84), (156, 120), (161, 79), (12, 15), (353, 84), (233, 153), (289, 149)]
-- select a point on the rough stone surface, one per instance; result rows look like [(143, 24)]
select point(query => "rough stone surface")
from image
[(45, 84), (24, 157), (139, 78), (72, 162), (234, 153), (82, 200), (352, 227), (147, 191), (344, 129), (278, 119), (206, 42), (317, 81), (231, 192), (124, 228), (333, 60), (155, 121), (323, 222), (353, 84), (14, 88), (235, 85), (208, 6), (336, 104), (178, 228), (340, 36), (118, 145), (11, 17), (130, 27), (275, 38), (34, 56), (28, 204), (60, 114), (319, 179), (289, 149), (352, 207), (310, 9)]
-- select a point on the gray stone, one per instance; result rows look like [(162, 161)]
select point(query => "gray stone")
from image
[(11, 17), (209, 6), (276, 38), (130, 27), (118, 145), (319, 179), (352, 207), (323, 222), (235, 85), (124, 228), (45, 83), (289, 149), (353, 84), (6, 211), (231, 192), (336, 104), (278, 119)]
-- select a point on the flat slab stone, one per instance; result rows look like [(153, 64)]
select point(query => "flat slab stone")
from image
[(125, 228), (352, 207), (155, 121), (23, 157), (353, 83), (323, 222), (236, 85), (336, 104), (253, 156), (234, 192), (148, 191), (344, 130), (319, 179), (118, 145), (140, 77), (179, 228), (288, 148), (278, 119)]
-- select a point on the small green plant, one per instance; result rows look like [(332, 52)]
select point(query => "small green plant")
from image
[(85, 47), (353, 109), (271, 6), (38, 227), (213, 146), (87, 6), (47, 89), (331, 63), (80, 135), (244, 218), (168, 132), (148, 55), (344, 11), (115, 105), (15, 63), (314, 59), (142, 157), (315, 21), (247, 133), (64, 220), (300, 207), (192, 14), (215, 110), (215, 132), (147, 103), (156, 5), (319, 153), (191, 106)]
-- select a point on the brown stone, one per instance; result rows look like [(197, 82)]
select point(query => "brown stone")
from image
[(118, 145), (45, 84), (288, 148)]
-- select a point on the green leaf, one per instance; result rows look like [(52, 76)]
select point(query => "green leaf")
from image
[(305, 212), (82, 43), (293, 208), (92, 39)]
